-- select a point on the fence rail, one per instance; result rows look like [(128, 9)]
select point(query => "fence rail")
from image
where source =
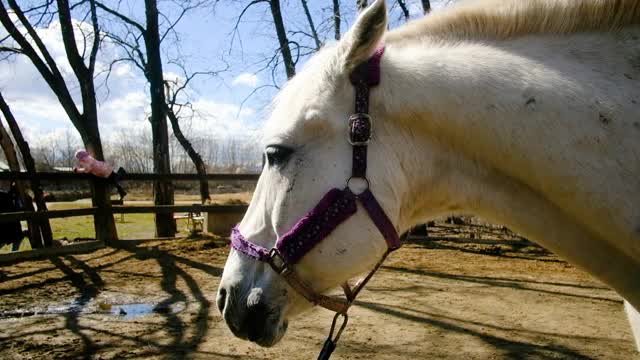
[(49, 214), (154, 209), (118, 209), (13, 175)]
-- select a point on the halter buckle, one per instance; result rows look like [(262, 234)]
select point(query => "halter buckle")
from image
[(359, 129), (277, 262)]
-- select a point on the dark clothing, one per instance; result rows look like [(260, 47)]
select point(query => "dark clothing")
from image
[(11, 231), (113, 179)]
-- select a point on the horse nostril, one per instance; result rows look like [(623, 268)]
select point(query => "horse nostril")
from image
[(221, 299), (256, 320)]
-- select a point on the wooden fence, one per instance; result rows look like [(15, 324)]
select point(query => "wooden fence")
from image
[(53, 176), (117, 209)]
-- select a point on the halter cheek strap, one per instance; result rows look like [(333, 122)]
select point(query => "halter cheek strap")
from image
[(335, 207)]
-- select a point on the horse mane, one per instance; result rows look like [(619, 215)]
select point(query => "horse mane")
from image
[(505, 19)]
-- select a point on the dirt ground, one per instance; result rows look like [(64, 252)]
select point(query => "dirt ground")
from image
[(454, 298)]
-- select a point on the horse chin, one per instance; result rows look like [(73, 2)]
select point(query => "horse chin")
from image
[(272, 337)]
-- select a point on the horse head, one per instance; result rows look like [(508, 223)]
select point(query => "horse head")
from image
[(307, 153)]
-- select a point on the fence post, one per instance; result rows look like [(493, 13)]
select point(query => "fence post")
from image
[(104, 225)]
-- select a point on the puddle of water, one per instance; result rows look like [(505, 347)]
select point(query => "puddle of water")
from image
[(125, 311), (131, 311), (49, 310)]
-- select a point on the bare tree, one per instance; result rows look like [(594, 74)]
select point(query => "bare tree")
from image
[(142, 45), (68, 148), (43, 226), (84, 116), (405, 10), (289, 64), (281, 33), (336, 19), (150, 62), (426, 6), (133, 149), (173, 109), (312, 27), (14, 165), (362, 4), (45, 157), (163, 190)]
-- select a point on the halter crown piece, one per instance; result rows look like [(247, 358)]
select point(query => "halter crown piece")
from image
[(336, 206)]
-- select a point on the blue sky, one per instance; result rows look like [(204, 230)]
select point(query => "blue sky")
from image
[(204, 43)]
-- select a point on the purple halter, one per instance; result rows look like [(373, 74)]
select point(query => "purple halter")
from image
[(336, 206)]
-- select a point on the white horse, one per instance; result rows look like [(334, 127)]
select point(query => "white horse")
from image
[(526, 113)]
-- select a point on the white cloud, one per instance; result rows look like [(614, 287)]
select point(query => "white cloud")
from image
[(123, 105), (246, 79), (219, 120)]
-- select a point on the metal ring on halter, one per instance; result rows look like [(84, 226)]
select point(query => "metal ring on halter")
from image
[(333, 326), (366, 181)]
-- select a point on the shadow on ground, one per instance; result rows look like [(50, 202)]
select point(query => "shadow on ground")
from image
[(184, 274)]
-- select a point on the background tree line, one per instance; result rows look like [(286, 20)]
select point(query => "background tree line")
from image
[(144, 32)]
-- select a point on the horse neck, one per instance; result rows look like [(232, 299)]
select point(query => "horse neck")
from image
[(456, 121), (439, 119), (468, 125)]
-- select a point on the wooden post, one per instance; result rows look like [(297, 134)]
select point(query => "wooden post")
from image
[(103, 222)]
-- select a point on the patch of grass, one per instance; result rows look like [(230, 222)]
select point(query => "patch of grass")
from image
[(24, 246), (129, 226)]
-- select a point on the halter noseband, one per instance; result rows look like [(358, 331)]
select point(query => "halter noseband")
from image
[(336, 206)]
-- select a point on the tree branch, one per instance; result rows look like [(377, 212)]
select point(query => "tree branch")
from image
[(405, 11), (361, 5), (69, 40), (244, 10), (183, 12), (121, 17), (51, 75), (21, 40), (96, 37), (314, 33)]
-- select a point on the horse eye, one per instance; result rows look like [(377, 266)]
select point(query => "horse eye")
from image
[(277, 154)]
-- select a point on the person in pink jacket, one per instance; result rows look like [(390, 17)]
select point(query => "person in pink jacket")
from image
[(89, 165)]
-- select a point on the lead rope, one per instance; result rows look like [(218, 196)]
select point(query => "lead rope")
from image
[(331, 342)]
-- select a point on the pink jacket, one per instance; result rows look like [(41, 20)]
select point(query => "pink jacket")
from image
[(87, 164)]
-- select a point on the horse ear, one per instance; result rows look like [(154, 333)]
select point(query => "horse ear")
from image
[(365, 35)]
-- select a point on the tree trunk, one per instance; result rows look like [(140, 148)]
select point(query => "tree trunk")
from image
[(336, 19), (104, 224), (195, 157), (312, 26), (163, 190), (426, 6), (361, 5), (285, 50), (405, 10), (14, 165), (43, 226)]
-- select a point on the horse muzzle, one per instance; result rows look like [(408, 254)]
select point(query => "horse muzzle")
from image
[(250, 316)]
